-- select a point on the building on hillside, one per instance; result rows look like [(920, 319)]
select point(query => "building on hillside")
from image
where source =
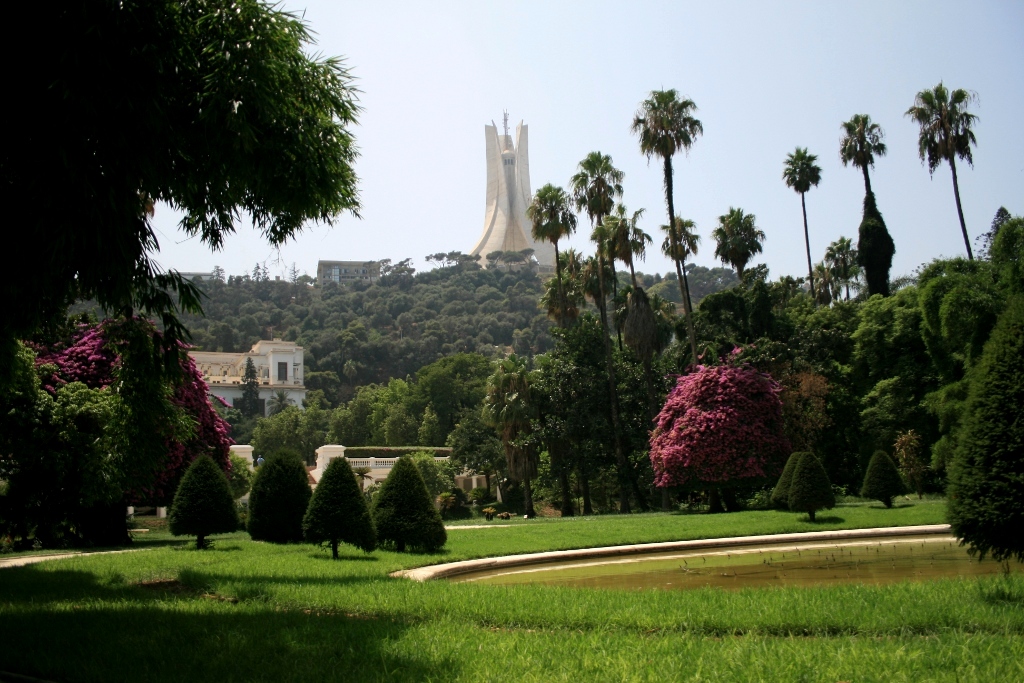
[(347, 271), (199, 277), (278, 368), (506, 227), (380, 468)]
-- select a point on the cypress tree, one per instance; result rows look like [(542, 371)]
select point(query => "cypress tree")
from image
[(337, 512), (986, 477), (780, 494), (875, 248), (810, 489), (403, 512), (203, 504), (279, 498), (249, 403), (882, 481)]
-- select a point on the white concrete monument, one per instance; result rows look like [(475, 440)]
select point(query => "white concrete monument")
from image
[(506, 227)]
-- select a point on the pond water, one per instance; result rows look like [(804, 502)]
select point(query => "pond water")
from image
[(855, 561)]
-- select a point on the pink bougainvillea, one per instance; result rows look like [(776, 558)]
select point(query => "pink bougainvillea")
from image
[(89, 359), (719, 425)]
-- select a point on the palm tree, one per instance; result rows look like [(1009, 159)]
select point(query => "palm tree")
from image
[(562, 298), (628, 241), (826, 285), (860, 144), (362, 475), (553, 219), (278, 402), (508, 408), (665, 125), (946, 134), (738, 239), (841, 258), (595, 187), (679, 244), (802, 173)]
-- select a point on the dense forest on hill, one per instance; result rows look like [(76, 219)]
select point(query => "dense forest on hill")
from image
[(360, 333)]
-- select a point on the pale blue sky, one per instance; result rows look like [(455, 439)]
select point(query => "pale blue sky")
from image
[(766, 77)]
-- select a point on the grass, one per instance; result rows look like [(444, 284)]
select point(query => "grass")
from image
[(254, 611)]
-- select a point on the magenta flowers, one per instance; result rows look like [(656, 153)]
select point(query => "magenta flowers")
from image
[(719, 425)]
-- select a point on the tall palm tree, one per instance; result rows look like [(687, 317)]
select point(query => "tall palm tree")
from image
[(860, 144), (595, 187), (826, 293), (738, 239), (802, 173), (678, 244), (562, 298), (665, 125), (946, 134), (841, 258), (508, 408), (553, 219)]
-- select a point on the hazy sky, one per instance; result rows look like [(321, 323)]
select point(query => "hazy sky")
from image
[(766, 77)]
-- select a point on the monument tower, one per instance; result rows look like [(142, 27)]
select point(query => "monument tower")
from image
[(506, 227)]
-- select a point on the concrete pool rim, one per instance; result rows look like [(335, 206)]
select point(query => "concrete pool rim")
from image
[(451, 569)]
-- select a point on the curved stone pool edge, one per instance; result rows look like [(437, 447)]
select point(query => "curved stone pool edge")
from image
[(450, 569)]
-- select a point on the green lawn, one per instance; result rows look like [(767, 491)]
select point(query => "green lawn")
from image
[(252, 611)]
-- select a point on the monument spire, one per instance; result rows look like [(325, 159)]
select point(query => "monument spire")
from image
[(506, 227)]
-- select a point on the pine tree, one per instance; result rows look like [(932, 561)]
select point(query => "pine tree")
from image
[(203, 504), (810, 489), (875, 248), (337, 512), (986, 477), (249, 403), (882, 481), (279, 498), (403, 512), (780, 494)]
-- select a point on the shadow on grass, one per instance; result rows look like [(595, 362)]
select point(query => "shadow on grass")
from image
[(325, 554), (248, 641), (825, 519)]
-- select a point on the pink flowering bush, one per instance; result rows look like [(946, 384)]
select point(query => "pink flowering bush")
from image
[(720, 425), (89, 359)]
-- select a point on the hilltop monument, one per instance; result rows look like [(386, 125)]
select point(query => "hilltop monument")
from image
[(506, 227)]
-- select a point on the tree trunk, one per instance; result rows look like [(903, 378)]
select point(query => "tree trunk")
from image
[(615, 304), (729, 499), (561, 289), (960, 210), (807, 243), (334, 548), (613, 394), (567, 508), (528, 499), (200, 542), (867, 180), (588, 504), (810, 513), (684, 286), (715, 500), (666, 499)]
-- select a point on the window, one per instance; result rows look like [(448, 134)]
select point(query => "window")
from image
[(282, 372)]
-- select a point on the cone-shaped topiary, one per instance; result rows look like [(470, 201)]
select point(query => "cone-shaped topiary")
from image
[(986, 477), (203, 504), (278, 500), (337, 512), (780, 494), (882, 480), (810, 489), (404, 513)]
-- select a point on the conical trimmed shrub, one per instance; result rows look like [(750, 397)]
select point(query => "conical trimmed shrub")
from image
[(203, 504), (810, 489), (780, 494), (337, 512), (279, 498), (882, 481), (986, 477), (403, 512)]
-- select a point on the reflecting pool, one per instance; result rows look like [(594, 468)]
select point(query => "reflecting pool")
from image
[(856, 561)]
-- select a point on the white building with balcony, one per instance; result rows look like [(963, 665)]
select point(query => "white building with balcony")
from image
[(278, 368)]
